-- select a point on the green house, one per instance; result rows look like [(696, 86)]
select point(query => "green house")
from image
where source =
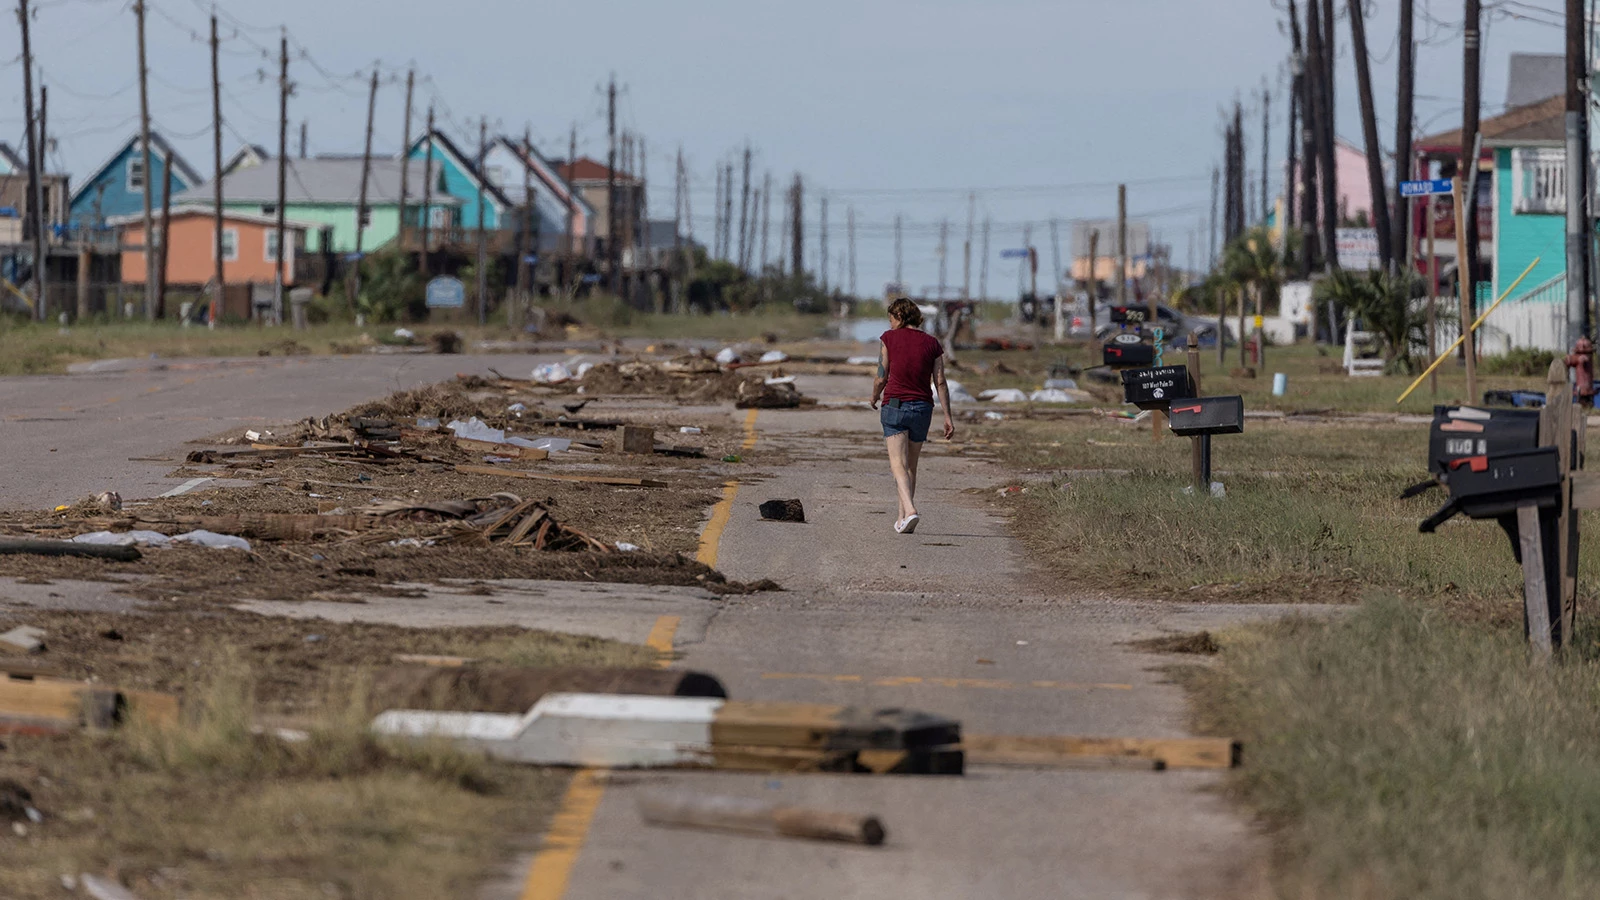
[(327, 191)]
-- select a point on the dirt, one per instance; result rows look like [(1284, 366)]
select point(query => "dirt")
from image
[(1201, 642)]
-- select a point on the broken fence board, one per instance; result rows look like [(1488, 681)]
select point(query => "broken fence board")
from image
[(544, 476), (510, 451), (1176, 753)]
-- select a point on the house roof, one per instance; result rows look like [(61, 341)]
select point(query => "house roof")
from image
[(158, 146), (464, 163), (326, 181), (546, 172), (1541, 121), (246, 152), (1535, 76), (196, 209), (586, 170)]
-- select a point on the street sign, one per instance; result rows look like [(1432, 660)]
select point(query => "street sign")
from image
[(445, 292), (1014, 254), (1425, 188)]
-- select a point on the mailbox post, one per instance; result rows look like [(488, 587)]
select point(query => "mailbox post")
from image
[(1200, 444)]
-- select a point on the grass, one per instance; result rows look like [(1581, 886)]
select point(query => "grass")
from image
[(1400, 754), (1312, 514), (214, 809)]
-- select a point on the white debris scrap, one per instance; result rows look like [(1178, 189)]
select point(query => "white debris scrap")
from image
[(774, 356), (551, 373), (1003, 395)]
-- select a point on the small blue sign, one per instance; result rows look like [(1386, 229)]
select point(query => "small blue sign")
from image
[(1426, 188), (1014, 254), (445, 292)]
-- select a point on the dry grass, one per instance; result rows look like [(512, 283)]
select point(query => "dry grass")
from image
[(214, 809), (1399, 754)]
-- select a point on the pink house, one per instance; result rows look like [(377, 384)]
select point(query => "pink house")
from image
[(1355, 192)]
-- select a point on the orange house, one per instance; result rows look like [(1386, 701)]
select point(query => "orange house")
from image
[(249, 247)]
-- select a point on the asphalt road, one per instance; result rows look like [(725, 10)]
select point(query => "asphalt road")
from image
[(951, 620)]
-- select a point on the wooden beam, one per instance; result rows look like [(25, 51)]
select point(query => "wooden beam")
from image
[(542, 476), (510, 451), (1174, 753), (1535, 598)]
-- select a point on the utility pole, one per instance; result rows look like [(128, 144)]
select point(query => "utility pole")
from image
[(1297, 66), (643, 184), (766, 217), (744, 214), (1266, 140), (1122, 245), (1328, 178), (797, 231), (899, 272), (525, 233), (302, 138), (850, 228), (1092, 286), (1369, 136), (405, 157), (41, 252), (983, 264), (483, 247), (216, 159), (1402, 129), (283, 170), (1211, 246), (613, 226), (823, 250), (427, 194), (144, 141), (166, 229), (716, 218), (568, 252), (966, 248), (361, 206), (1310, 129), (1577, 122), (1467, 220), (1055, 256), (944, 241), (727, 213)]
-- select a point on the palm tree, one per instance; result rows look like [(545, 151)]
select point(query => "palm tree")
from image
[(1253, 263), (1382, 303)]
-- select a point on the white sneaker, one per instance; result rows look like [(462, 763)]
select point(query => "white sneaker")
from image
[(909, 526)]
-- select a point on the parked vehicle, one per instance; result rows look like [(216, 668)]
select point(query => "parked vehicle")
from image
[(1177, 325)]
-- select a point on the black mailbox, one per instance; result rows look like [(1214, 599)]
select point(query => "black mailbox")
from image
[(1156, 388), (1128, 351), (1129, 315), (1464, 432), (1208, 415), (1486, 487)]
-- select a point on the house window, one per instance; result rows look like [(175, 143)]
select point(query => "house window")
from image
[(366, 218), (497, 176), (269, 210), (136, 173), (230, 245), (1539, 180), (272, 246)]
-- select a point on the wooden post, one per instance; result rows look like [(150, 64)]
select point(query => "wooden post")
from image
[(1198, 461), (1464, 278), (1433, 300), (1535, 597), (216, 160), (84, 264), (1561, 425)]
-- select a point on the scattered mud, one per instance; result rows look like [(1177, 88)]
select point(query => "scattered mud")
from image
[(1200, 642)]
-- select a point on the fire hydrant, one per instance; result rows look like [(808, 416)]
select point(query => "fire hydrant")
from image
[(1581, 361)]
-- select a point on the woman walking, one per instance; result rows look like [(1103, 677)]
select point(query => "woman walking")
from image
[(908, 361)]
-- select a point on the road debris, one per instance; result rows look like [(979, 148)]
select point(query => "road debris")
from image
[(39, 547), (783, 511), (23, 639), (739, 814)]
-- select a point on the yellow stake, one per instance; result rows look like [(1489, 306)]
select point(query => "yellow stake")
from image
[(1452, 348)]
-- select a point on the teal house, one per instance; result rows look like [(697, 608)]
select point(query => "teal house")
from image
[(460, 177), (1530, 223), (117, 187)]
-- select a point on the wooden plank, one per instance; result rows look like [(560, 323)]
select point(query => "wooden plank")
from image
[(1556, 423), (1175, 753), (1585, 490), (58, 701), (543, 476), (1020, 759), (153, 707), (511, 451), (760, 724), (25, 669), (1535, 599), (1569, 594), (444, 662)]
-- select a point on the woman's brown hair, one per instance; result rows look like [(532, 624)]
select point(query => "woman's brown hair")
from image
[(906, 312)]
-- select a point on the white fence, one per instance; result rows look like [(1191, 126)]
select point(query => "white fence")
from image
[(1536, 318)]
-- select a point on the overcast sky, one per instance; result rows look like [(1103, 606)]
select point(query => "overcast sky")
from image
[(890, 106)]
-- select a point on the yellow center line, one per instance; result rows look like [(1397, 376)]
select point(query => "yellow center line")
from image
[(660, 639), (552, 865), (750, 430), (991, 684)]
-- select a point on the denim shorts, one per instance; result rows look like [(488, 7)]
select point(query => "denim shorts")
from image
[(912, 417)]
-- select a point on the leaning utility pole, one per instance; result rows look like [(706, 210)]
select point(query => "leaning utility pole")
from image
[(1310, 130), (568, 252), (302, 138), (1297, 65), (216, 159), (613, 223), (1216, 189), (166, 229), (1402, 129), (1369, 135), (361, 206), (150, 310), (744, 215), (35, 219), (1577, 122), (483, 249), (727, 214), (1122, 245), (766, 217), (1266, 140), (716, 218), (1327, 169), (1471, 85), (405, 157), (283, 172)]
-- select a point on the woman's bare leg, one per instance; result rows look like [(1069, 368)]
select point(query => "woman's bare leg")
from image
[(899, 454), (913, 455)]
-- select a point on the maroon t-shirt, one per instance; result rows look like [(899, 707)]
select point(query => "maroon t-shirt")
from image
[(912, 352)]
